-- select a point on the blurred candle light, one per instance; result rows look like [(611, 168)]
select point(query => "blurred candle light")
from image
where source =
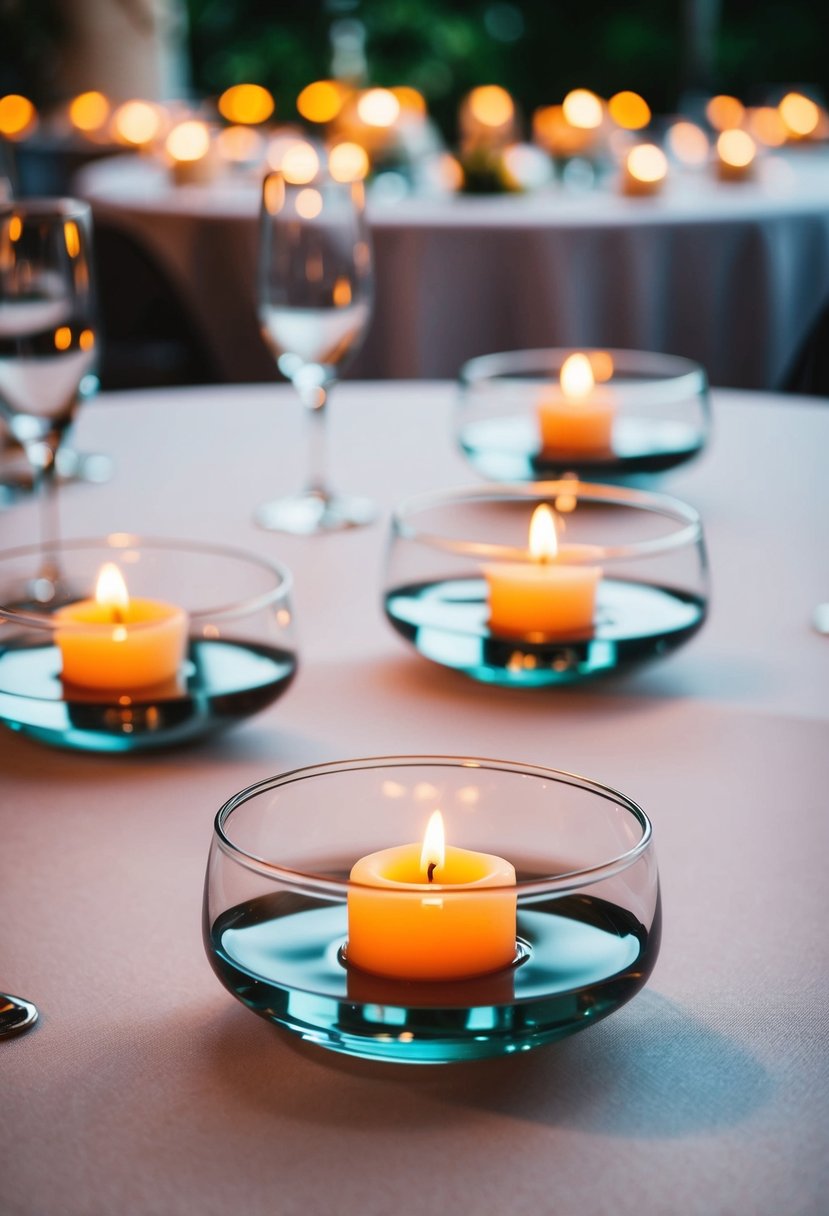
[(411, 101), (378, 108), (487, 118), (767, 126), (321, 101), (688, 143), (18, 117), (800, 115), (644, 170), (724, 112), (348, 162), (189, 148), (88, 112), (136, 123), (552, 131), (299, 163), (583, 109), (240, 145), (736, 153), (629, 110), (248, 104)]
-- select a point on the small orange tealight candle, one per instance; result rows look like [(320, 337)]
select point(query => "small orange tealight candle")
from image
[(545, 596), (423, 912), (129, 643), (191, 153), (576, 417), (644, 171), (736, 156)]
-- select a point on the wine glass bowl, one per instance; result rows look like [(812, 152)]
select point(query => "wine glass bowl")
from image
[(315, 298), (47, 329)]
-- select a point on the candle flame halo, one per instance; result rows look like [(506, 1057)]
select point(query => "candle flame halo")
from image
[(543, 542), (111, 590), (433, 853), (577, 379)]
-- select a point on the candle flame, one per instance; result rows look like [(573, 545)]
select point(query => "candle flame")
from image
[(433, 853), (543, 542), (111, 590), (577, 379)]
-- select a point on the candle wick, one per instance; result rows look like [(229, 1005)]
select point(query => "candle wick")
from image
[(117, 615), (430, 872)]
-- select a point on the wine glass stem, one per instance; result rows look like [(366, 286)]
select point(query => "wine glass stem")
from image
[(315, 400), (41, 457)]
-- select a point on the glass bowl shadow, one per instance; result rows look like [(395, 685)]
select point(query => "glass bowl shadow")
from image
[(661, 414), (240, 653), (276, 919), (652, 596)]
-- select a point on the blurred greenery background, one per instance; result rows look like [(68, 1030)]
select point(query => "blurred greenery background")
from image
[(538, 49)]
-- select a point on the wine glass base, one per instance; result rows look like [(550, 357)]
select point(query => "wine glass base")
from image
[(311, 512)]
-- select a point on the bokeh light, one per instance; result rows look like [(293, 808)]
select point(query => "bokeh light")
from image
[(629, 110), (246, 103), (136, 122), (188, 141), (299, 163), (583, 109), (378, 108), (724, 112), (736, 148), (348, 162), (491, 105), (89, 111), (321, 101), (646, 163), (800, 114), (17, 116), (688, 143)]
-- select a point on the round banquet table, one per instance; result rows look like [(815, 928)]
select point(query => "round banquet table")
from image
[(147, 1089), (732, 275)]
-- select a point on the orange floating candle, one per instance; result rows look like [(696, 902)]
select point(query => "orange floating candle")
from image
[(544, 596), (576, 416), (129, 643), (409, 916)]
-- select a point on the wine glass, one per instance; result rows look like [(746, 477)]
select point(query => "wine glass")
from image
[(315, 296), (47, 339)]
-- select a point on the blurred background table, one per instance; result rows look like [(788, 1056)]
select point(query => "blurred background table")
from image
[(146, 1088), (733, 275)]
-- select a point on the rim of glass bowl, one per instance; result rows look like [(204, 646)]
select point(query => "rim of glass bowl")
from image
[(570, 881), (542, 491), (685, 376), (117, 541), (69, 208)]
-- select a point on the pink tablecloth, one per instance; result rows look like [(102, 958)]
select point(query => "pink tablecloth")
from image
[(146, 1089), (733, 276)]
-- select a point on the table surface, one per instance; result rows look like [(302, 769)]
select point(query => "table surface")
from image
[(733, 275), (146, 1088)]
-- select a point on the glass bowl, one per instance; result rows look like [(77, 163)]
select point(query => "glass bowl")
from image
[(646, 413), (642, 554), (68, 683), (280, 911)]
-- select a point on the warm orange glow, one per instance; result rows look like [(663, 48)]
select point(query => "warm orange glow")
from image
[(576, 376), (646, 163), (766, 125), (342, 293), (300, 163), (583, 109), (63, 338), (348, 162), (89, 111), (136, 122), (321, 101), (87, 339), (433, 853), (17, 116), (378, 108), (724, 112), (491, 105), (736, 148), (688, 143), (188, 141), (629, 110), (601, 364), (239, 145), (110, 589), (800, 114), (543, 541), (72, 238), (246, 103), (15, 228), (411, 101), (565, 504), (308, 203), (450, 172)]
